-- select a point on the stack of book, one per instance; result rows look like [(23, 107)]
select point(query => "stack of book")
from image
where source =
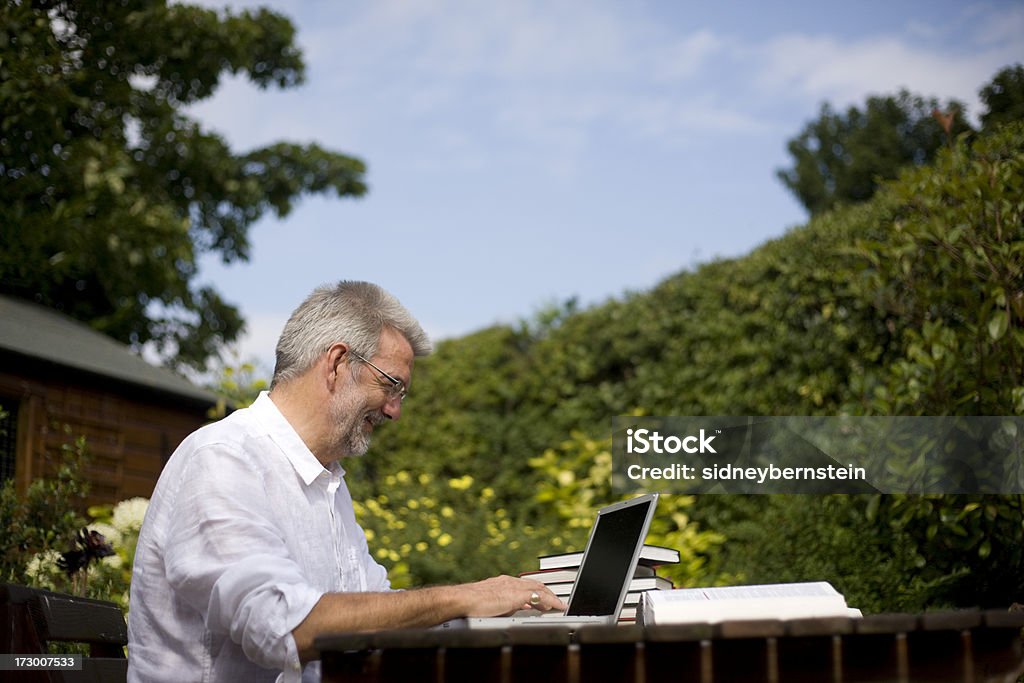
[(558, 572)]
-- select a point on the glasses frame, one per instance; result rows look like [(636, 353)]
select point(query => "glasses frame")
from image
[(398, 388)]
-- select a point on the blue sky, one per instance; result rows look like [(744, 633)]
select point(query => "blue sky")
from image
[(522, 153)]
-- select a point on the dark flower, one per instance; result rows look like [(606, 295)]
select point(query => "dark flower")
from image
[(91, 547)]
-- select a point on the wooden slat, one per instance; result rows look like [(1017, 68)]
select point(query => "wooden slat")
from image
[(471, 655), (80, 620), (745, 651), (612, 654), (540, 649), (996, 645)]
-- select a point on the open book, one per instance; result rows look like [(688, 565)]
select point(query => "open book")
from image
[(739, 603)]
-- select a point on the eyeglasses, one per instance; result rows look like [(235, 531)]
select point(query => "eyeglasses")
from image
[(397, 389)]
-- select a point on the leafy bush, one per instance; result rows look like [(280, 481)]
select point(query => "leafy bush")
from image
[(422, 539), (44, 521), (38, 527)]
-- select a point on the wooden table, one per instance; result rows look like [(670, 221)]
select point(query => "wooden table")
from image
[(962, 646)]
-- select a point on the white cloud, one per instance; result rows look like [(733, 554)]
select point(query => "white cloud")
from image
[(822, 67), (683, 58)]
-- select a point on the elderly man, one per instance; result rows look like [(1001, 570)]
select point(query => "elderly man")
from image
[(250, 547)]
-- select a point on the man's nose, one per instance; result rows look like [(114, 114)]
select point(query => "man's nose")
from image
[(393, 408)]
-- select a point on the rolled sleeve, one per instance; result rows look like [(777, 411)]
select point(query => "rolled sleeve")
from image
[(260, 606)]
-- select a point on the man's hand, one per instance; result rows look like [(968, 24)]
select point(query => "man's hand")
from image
[(502, 595), (493, 597)]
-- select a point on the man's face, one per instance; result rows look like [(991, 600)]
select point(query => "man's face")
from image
[(365, 401)]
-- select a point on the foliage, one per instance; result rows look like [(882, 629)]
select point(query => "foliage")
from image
[(419, 529), (840, 157), (783, 538), (109, 578), (46, 519), (236, 386), (1004, 97), (110, 192), (966, 549), (37, 527), (948, 279)]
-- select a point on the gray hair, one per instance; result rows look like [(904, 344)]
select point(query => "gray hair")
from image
[(354, 313)]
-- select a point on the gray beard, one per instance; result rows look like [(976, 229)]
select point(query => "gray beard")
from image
[(352, 439), (357, 442)]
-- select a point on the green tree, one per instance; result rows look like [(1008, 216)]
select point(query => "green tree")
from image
[(110, 192), (948, 279), (841, 157), (1004, 97)]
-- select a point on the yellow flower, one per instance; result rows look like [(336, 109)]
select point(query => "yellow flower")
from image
[(444, 540), (462, 483)]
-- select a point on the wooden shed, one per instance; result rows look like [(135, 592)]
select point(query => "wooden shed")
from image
[(59, 379)]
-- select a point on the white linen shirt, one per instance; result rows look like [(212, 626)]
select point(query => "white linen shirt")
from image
[(246, 530)]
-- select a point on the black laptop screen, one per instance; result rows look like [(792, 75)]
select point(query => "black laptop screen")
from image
[(608, 563)]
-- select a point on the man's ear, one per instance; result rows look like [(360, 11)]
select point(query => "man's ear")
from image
[(337, 358)]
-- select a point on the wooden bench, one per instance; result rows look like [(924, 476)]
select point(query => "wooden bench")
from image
[(32, 618)]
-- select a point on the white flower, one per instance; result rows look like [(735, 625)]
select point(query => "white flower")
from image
[(113, 561), (45, 561), (128, 514), (42, 568), (113, 536)]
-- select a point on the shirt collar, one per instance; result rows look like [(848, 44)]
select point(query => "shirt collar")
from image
[(288, 440)]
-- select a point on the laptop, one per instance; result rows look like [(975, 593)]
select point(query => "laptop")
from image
[(609, 562)]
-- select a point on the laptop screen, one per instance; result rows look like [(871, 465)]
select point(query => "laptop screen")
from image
[(610, 558)]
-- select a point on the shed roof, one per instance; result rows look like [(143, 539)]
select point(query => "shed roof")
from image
[(48, 335)]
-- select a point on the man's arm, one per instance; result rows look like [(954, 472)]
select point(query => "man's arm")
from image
[(422, 607)]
